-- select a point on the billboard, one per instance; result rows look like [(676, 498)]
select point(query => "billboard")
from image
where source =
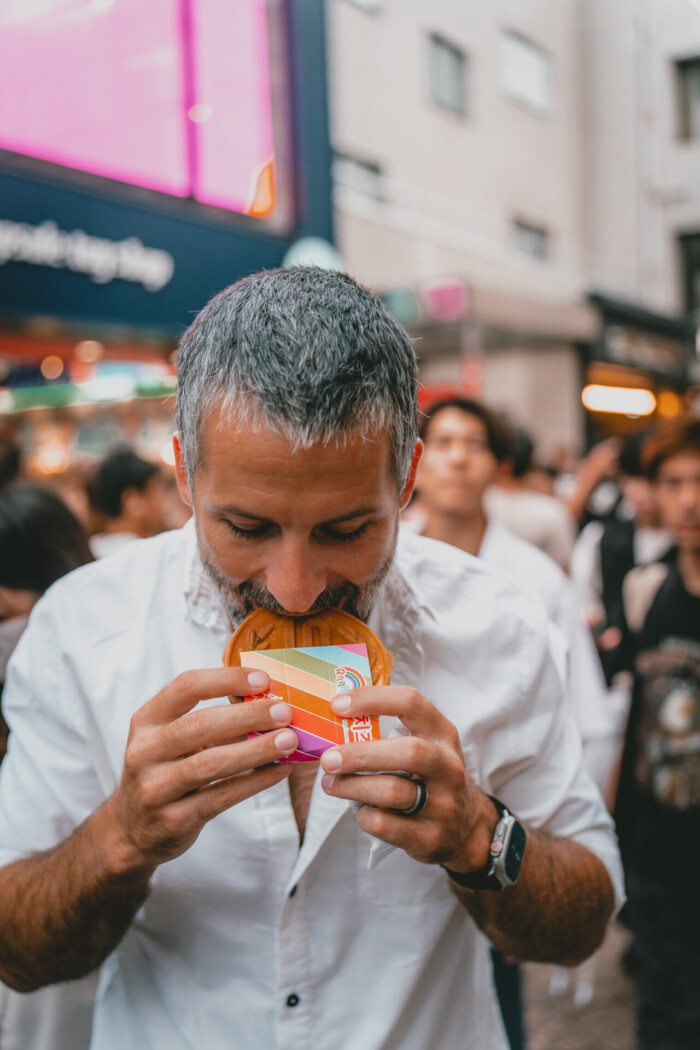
[(176, 96)]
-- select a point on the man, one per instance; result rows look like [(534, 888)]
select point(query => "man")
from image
[(538, 519), (154, 837), (128, 492), (466, 446), (659, 797), (606, 551)]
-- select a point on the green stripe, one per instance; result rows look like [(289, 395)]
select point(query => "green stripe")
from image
[(303, 662)]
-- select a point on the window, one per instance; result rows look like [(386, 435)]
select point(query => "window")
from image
[(448, 75), (688, 73), (526, 73), (690, 256), (358, 178), (531, 240)]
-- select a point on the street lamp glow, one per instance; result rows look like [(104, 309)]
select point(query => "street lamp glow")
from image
[(626, 400)]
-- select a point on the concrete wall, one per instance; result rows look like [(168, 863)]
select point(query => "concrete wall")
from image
[(643, 179), (454, 183)]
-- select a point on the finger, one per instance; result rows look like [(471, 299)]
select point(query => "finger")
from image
[(384, 791), (418, 714), (411, 834), (173, 780), (185, 691), (408, 754), (204, 805), (213, 726)]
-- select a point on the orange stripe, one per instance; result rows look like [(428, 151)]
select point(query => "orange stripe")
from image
[(318, 726), (301, 679)]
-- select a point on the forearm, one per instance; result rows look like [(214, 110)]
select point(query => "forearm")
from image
[(557, 912), (64, 910)]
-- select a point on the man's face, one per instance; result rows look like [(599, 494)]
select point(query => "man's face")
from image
[(293, 530), (640, 495), (678, 493), (457, 464)]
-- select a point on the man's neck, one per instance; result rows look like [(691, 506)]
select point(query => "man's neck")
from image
[(465, 532), (689, 568)]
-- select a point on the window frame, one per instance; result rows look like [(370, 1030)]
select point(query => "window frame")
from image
[(439, 40)]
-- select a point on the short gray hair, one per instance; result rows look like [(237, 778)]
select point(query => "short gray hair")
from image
[(307, 352)]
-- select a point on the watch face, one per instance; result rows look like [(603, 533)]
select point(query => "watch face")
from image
[(514, 856)]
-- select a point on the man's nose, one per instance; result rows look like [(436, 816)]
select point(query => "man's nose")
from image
[(295, 578)]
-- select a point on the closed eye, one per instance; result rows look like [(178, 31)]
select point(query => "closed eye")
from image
[(333, 536), (248, 534)]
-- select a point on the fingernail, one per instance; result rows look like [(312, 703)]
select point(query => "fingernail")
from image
[(280, 712), (286, 740), (332, 761), (257, 679), (327, 782), (340, 704)]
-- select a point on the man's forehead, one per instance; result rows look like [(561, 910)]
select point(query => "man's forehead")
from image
[(453, 418), (682, 462)]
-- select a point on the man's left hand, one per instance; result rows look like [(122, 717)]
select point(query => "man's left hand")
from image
[(456, 826)]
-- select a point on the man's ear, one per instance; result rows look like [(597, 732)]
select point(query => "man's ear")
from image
[(181, 472), (411, 482)]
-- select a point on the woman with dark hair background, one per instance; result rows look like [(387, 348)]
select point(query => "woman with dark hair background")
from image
[(40, 541)]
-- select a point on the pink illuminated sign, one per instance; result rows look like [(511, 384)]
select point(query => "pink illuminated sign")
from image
[(172, 95)]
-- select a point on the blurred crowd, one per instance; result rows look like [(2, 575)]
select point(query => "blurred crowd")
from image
[(610, 545)]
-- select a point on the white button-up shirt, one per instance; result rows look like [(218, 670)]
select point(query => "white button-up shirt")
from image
[(247, 940)]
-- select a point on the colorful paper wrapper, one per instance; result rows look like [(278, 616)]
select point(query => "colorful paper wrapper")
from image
[(307, 679)]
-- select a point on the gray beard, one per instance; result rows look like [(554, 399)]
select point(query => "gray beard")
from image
[(242, 599)]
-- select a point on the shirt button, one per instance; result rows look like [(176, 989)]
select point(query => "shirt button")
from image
[(293, 999)]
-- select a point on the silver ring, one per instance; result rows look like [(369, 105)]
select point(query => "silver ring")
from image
[(420, 801)]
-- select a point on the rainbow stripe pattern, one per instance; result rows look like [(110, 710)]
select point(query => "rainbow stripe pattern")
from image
[(308, 679)]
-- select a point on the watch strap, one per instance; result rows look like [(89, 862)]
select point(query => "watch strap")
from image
[(485, 879)]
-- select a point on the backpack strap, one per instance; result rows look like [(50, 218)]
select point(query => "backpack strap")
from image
[(639, 589)]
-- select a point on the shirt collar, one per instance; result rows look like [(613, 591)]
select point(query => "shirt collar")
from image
[(202, 600)]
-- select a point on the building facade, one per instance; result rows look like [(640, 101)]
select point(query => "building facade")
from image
[(491, 183)]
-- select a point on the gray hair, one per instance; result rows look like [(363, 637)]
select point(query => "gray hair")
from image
[(306, 352)]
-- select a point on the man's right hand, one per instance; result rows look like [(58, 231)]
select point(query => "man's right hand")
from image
[(182, 767)]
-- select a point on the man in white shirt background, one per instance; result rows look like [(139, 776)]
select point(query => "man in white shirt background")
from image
[(466, 445), (226, 896)]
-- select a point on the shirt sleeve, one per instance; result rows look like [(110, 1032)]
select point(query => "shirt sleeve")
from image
[(48, 784), (544, 779)]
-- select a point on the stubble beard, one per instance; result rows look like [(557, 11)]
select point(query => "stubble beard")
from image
[(241, 599)]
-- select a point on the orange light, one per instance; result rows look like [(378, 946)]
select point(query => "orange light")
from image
[(88, 351), (264, 199), (668, 404), (51, 367), (626, 400)]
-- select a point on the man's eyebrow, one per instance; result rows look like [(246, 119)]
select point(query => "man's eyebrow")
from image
[(239, 512)]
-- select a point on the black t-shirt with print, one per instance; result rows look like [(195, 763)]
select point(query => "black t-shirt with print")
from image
[(658, 807)]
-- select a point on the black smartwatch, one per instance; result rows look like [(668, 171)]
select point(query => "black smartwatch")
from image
[(505, 855)]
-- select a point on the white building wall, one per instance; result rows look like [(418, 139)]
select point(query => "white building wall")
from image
[(454, 184), (643, 179)]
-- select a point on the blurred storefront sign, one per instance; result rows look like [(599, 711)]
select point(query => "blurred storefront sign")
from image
[(100, 259), (127, 201)]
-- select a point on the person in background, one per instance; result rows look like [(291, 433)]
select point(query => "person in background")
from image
[(465, 445), (541, 520), (128, 492), (606, 552), (40, 541), (658, 804)]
